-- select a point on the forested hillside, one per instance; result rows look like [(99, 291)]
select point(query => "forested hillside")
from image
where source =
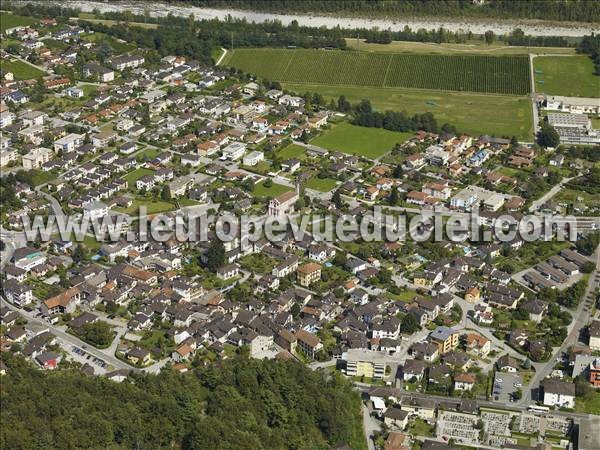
[(237, 404), (569, 10)]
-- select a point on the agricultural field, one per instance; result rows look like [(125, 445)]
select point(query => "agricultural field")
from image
[(473, 73), (572, 76), (12, 20), (498, 115), (368, 142), (21, 70), (472, 47)]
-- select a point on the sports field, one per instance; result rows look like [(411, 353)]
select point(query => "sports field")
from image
[(572, 76), (497, 115), (473, 73), (360, 141)]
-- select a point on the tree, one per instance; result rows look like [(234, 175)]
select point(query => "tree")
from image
[(215, 256), (489, 37), (518, 394), (79, 253), (588, 267), (336, 198), (394, 197), (409, 324), (398, 171), (548, 136), (166, 193), (343, 104)]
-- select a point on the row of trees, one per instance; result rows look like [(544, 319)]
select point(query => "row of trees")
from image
[(561, 10), (187, 36), (365, 116), (231, 405), (590, 45)]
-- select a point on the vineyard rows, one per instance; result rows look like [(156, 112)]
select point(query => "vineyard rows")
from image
[(473, 73)]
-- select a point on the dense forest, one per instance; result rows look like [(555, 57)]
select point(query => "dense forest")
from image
[(569, 10), (237, 404)]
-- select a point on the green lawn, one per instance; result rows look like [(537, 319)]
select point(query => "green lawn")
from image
[(21, 70), (292, 151), (12, 20), (276, 189), (117, 46), (591, 406), (39, 177), (476, 114), (136, 174), (361, 141), (88, 89), (149, 153), (571, 76), (55, 44), (183, 201), (321, 184), (152, 206), (571, 195)]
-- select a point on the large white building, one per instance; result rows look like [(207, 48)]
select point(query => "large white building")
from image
[(36, 158), (68, 143), (578, 105), (559, 393), (253, 158), (574, 128), (234, 151), (283, 204)]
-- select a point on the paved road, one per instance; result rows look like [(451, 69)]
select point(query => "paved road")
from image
[(537, 204), (580, 320), (370, 426), (70, 339)]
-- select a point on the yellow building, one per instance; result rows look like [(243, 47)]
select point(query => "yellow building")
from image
[(445, 338), (308, 274)]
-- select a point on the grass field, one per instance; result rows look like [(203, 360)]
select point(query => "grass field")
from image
[(321, 184), (473, 73), (361, 141), (117, 46), (498, 115), (260, 190), (12, 20), (21, 70), (292, 151), (471, 47), (109, 23), (136, 174), (152, 206), (55, 44), (571, 76)]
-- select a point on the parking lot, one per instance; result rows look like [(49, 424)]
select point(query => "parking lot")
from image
[(503, 389), (80, 355)]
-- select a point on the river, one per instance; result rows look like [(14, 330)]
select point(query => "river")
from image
[(477, 26)]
